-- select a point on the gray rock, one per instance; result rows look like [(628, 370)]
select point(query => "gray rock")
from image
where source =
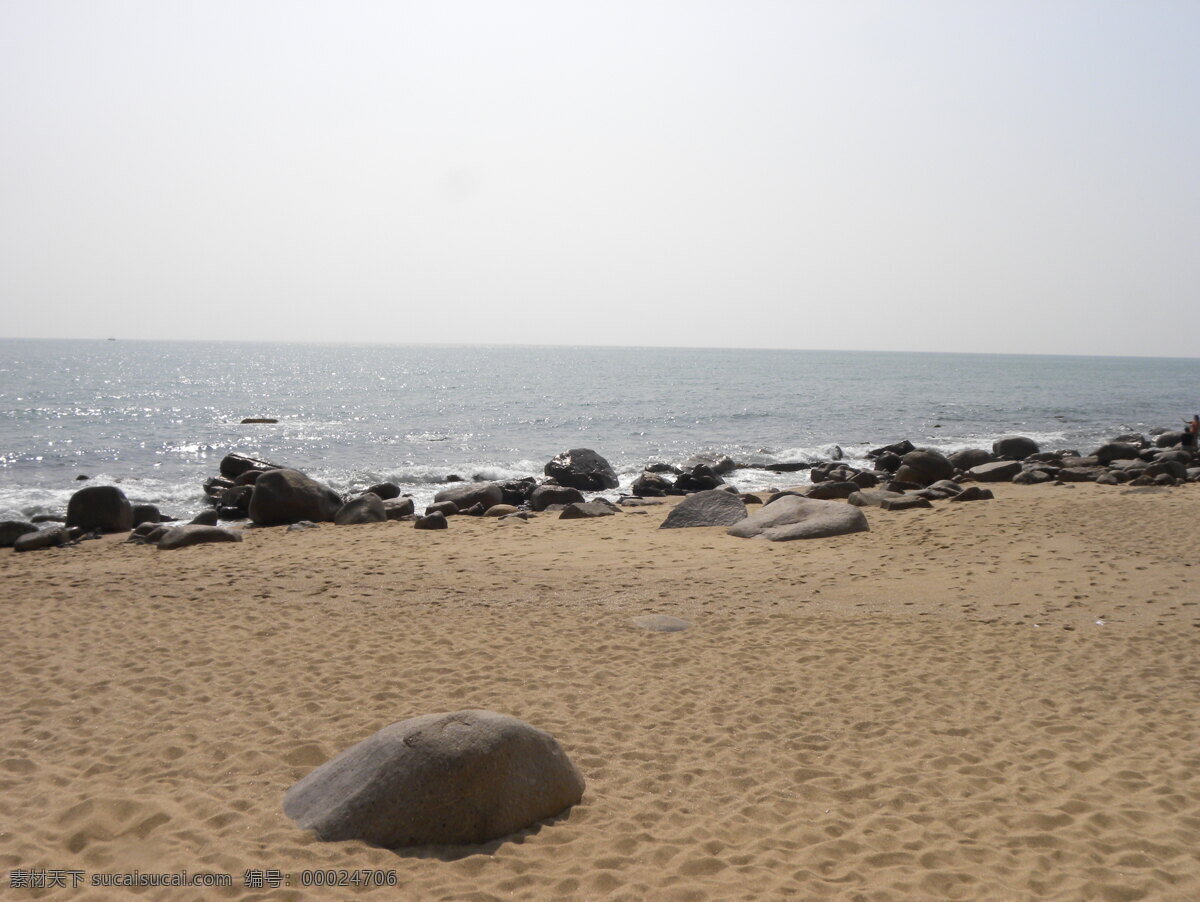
[(1000, 471), (1014, 447), (185, 536), (1106, 454), (501, 510), (102, 507), (970, 457), (206, 518), (1168, 439), (51, 537), (366, 508), (11, 530), (904, 503), (792, 517), (385, 491), (974, 493), (582, 468), (587, 509), (1033, 476), (467, 494), (661, 623), (871, 497), (711, 508), (446, 779), (651, 485), (436, 520), (288, 496), (399, 508), (832, 491), (146, 513), (445, 508), (1079, 474), (545, 495)]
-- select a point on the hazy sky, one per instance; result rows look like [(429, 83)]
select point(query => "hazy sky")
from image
[(950, 176)]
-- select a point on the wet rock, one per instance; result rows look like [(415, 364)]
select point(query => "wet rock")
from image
[(11, 530), (234, 465), (582, 468), (102, 507)]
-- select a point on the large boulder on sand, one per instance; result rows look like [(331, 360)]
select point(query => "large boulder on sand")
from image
[(466, 495), (715, 507), (288, 496), (102, 507), (793, 517), (366, 508), (997, 471), (446, 779), (582, 468), (190, 534), (924, 466), (545, 495)]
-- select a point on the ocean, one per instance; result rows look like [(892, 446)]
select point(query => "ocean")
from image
[(156, 417)]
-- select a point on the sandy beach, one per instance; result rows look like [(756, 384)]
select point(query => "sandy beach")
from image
[(995, 700)]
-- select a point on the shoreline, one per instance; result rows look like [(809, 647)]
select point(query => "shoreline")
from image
[(873, 714)]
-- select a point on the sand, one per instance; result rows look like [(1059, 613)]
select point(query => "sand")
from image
[(990, 700)]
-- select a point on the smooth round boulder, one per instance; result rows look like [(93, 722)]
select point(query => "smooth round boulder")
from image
[(206, 518), (1111, 451), (582, 468), (790, 517), (399, 508), (366, 508), (281, 497), (51, 537), (966, 458), (435, 520), (924, 466), (146, 513), (190, 534), (102, 507), (710, 508), (448, 779), (386, 491), (1014, 447)]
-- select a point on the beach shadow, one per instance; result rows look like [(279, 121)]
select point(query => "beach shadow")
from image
[(457, 853)]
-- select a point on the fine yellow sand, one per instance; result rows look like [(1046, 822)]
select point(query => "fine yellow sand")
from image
[(929, 710)]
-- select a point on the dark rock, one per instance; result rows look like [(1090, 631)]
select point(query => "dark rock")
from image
[(288, 496), (899, 487), (102, 507), (829, 491), (51, 537), (974, 493), (146, 513), (82, 477), (792, 466), (1106, 454), (445, 508), (258, 420), (1168, 439), (1139, 481), (638, 502), (238, 498), (234, 465), (399, 508), (1014, 447), (454, 477), (441, 779), (1000, 471), (718, 465), (946, 487), (585, 510), (899, 449), (792, 517), (435, 520), (584, 469), (903, 503), (384, 491), (249, 477), (661, 467), (967, 458), (11, 530), (924, 466), (888, 463), (864, 479), (651, 485), (700, 478), (467, 494), (475, 510), (231, 513), (47, 518), (1172, 468), (1132, 438), (517, 491), (750, 498), (366, 508), (185, 536), (1079, 474), (545, 495), (710, 508)]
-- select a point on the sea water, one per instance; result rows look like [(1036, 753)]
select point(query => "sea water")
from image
[(157, 417)]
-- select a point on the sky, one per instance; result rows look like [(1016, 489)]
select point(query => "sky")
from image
[(998, 177)]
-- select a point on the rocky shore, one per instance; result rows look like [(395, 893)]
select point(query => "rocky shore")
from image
[(250, 492)]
